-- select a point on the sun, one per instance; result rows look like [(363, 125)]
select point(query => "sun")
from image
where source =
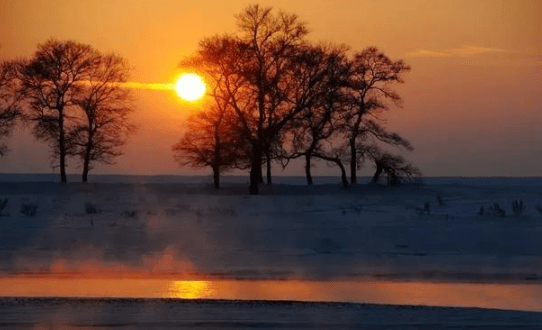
[(190, 87)]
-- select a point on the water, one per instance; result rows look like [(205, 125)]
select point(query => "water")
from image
[(132, 314)]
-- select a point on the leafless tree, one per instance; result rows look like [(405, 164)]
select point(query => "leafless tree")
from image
[(309, 133), (213, 139), (51, 84), (72, 94), (394, 167), (9, 108), (106, 106), (288, 101), (372, 73), (255, 72)]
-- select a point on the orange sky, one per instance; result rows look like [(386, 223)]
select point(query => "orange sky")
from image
[(472, 102)]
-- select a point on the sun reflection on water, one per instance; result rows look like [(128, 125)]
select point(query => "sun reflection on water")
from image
[(190, 289)]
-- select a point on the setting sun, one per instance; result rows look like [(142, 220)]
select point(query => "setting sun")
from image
[(190, 87)]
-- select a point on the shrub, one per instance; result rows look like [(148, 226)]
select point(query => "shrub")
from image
[(425, 210), (496, 210), (90, 208), (129, 214), (518, 207), (3, 204), (29, 209)]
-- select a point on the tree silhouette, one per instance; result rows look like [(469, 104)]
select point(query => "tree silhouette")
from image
[(51, 82), (213, 139), (324, 67), (72, 94), (106, 106), (293, 99), (394, 167), (372, 73), (9, 108), (255, 73)]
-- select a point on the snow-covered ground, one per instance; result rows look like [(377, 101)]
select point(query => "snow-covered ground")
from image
[(183, 226)]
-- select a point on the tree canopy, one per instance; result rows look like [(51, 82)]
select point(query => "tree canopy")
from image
[(291, 98), (71, 94)]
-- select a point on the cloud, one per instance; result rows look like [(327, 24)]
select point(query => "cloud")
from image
[(151, 86), (138, 85), (464, 51)]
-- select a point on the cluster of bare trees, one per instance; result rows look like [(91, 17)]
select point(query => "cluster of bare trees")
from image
[(277, 97), (9, 108), (72, 96)]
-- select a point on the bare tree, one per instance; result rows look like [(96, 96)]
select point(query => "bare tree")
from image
[(72, 94), (51, 83), (9, 108), (213, 139), (271, 39), (106, 106), (283, 91), (327, 69), (394, 167), (372, 73), (255, 73)]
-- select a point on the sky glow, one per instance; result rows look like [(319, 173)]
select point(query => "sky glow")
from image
[(471, 103)]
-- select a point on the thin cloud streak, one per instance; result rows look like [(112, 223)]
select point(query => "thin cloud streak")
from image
[(464, 51), (148, 86)]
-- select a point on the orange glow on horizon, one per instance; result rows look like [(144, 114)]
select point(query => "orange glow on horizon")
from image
[(483, 295)]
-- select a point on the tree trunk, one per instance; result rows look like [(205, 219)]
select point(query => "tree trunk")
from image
[(218, 158), (256, 168), (337, 161), (85, 171), (62, 146), (308, 169), (353, 162), (376, 176), (268, 166), (343, 173), (86, 160), (216, 176)]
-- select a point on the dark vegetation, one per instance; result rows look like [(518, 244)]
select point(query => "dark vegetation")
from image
[(90, 208), (71, 95), (9, 108), (276, 97), (29, 209), (3, 204)]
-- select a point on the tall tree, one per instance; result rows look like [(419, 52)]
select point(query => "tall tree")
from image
[(308, 133), (106, 106), (212, 139), (372, 74), (73, 94), (281, 90), (254, 72), (51, 82), (9, 108), (271, 41)]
